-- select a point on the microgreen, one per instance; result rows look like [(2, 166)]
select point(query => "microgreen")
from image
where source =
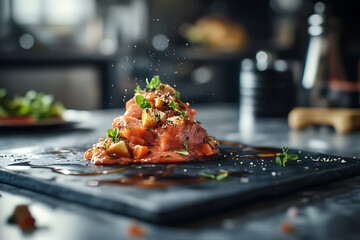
[(175, 107), (137, 89), (142, 102), (177, 95), (286, 156), (113, 134), (182, 152), (186, 144), (220, 176), (154, 83)]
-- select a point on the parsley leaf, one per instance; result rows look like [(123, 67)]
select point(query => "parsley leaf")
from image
[(182, 152), (154, 83), (186, 144), (286, 156), (113, 134), (142, 102), (175, 107), (137, 89)]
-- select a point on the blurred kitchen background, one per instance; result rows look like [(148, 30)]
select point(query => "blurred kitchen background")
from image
[(266, 56)]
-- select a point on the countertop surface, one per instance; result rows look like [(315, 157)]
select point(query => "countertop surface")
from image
[(326, 211)]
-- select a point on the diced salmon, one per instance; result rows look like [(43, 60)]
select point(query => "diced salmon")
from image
[(175, 133)]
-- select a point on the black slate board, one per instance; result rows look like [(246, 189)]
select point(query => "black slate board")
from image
[(29, 169)]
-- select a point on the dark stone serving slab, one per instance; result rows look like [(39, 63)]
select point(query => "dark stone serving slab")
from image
[(47, 171)]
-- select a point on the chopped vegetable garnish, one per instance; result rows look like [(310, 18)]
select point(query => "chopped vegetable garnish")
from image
[(286, 156), (183, 152)]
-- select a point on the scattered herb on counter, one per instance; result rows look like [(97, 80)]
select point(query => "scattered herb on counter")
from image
[(182, 152), (154, 83), (286, 156), (142, 102), (175, 107), (221, 176), (113, 134)]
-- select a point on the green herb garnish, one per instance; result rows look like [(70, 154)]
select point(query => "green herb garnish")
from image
[(177, 95), (137, 89), (175, 107), (105, 143), (218, 177), (142, 102), (111, 155), (167, 156), (286, 156), (154, 83), (113, 134), (182, 152), (186, 144)]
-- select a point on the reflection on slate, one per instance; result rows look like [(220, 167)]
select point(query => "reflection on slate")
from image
[(165, 193)]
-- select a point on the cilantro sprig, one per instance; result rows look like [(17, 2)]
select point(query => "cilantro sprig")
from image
[(113, 134), (154, 83), (174, 105), (142, 102), (286, 156), (220, 176)]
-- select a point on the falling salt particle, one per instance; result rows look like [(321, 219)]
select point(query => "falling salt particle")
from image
[(185, 170), (244, 180), (264, 169), (343, 161), (251, 163), (187, 44), (273, 174), (219, 164), (228, 224), (292, 212), (112, 85), (306, 168)]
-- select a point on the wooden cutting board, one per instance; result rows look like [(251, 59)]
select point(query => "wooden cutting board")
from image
[(49, 172), (343, 120)]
